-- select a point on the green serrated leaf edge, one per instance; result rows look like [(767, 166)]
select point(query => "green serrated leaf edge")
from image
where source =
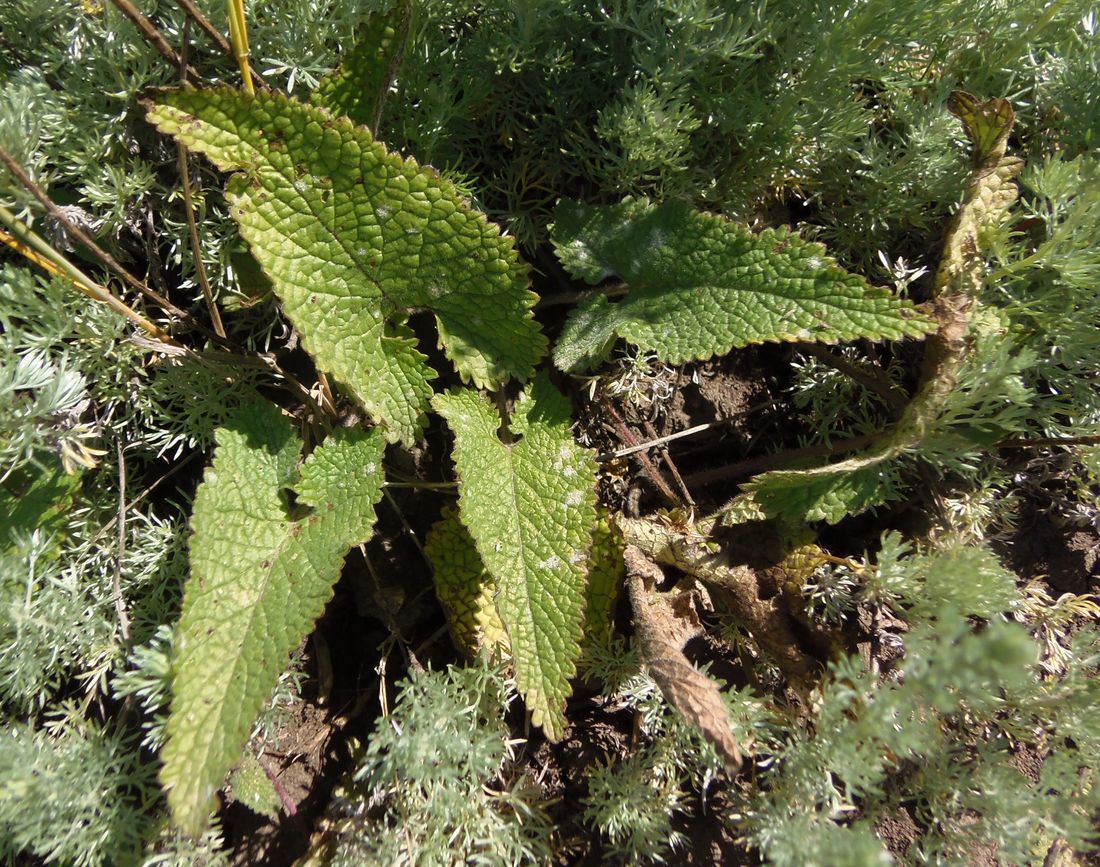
[(530, 507), (701, 285), (357, 88), (259, 579), (354, 239)]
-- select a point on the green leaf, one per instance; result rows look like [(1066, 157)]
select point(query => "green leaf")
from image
[(530, 506), (825, 494), (357, 88), (701, 285), (464, 587), (259, 580), (354, 239), (467, 591), (37, 497), (606, 574), (252, 787), (988, 124)]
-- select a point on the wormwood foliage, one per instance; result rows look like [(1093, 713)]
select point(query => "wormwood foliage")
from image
[(530, 506), (354, 237), (676, 164), (262, 569), (831, 493), (701, 285)]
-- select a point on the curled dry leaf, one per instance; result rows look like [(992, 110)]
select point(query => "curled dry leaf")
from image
[(664, 623)]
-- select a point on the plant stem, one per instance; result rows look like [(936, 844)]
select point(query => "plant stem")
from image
[(109, 261), (153, 36), (576, 297), (189, 210), (238, 35), (660, 441), (751, 466), (42, 254), (120, 601)]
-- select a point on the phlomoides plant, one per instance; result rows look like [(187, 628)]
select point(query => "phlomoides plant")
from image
[(356, 239)]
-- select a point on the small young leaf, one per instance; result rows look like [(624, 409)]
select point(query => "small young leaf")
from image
[(530, 507), (701, 285), (252, 787), (826, 494), (259, 579), (354, 238), (357, 89)]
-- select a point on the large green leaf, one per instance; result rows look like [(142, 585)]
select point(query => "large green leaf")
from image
[(262, 570), (357, 89), (354, 239), (701, 285), (530, 506)]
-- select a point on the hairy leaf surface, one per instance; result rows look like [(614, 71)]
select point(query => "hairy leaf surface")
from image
[(530, 507), (354, 239), (468, 592), (701, 285), (357, 89), (826, 494), (464, 587), (259, 579)]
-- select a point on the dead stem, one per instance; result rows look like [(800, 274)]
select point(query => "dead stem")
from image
[(647, 465), (35, 249), (152, 35), (120, 601), (189, 209), (660, 441), (102, 255), (672, 468)]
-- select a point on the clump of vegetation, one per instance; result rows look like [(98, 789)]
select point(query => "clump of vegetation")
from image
[(629, 430)]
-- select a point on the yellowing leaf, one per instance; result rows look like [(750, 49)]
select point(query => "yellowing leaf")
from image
[(464, 587)]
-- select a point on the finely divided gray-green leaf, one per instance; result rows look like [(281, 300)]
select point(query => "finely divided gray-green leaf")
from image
[(355, 239), (259, 580), (701, 285), (530, 507)]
